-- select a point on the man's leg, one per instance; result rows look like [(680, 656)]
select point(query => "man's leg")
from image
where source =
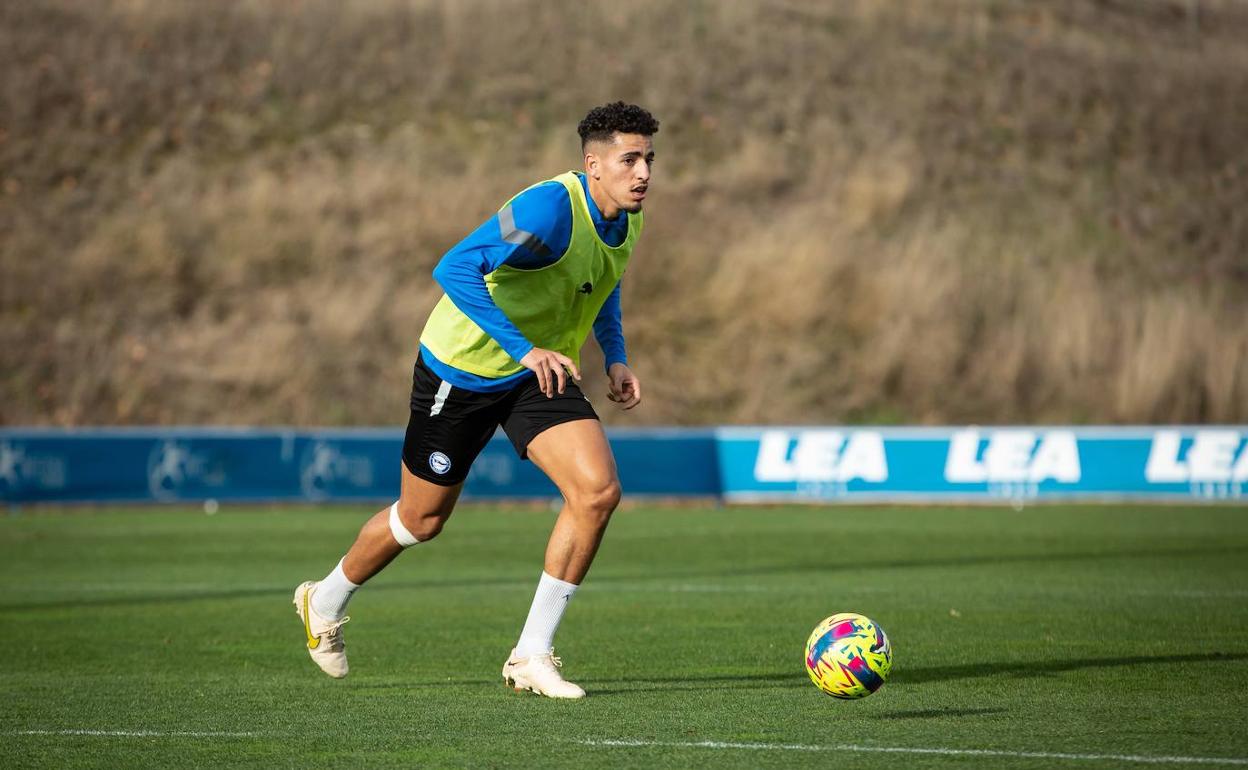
[(418, 516), (576, 456), (422, 509)]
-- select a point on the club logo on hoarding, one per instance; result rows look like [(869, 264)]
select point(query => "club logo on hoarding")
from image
[(172, 467), (20, 469), (326, 468), (10, 462)]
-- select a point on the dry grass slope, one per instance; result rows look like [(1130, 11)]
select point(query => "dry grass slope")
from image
[(947, 210)]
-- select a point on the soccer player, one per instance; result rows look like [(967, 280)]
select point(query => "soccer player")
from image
[(502, 347)]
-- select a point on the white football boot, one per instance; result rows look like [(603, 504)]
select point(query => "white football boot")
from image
[(325, 643), (539, 674)]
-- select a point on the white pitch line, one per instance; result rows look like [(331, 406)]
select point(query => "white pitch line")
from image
[(849, 747), (1195, 594), (136, 733)]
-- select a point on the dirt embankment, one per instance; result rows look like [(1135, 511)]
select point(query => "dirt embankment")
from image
[(885, 211)]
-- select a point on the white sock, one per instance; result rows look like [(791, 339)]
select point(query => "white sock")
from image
[(332, 594), (549, 603)]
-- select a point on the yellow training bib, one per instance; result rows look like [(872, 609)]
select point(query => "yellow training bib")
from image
[(554, 307)]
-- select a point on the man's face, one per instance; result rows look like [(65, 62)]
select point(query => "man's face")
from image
[(620, 171)]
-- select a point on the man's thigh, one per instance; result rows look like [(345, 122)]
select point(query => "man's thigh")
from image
[(576, 456), (530, 413), (425, 497)]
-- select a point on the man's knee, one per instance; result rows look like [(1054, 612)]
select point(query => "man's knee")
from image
[(421, 522), (598, 500)]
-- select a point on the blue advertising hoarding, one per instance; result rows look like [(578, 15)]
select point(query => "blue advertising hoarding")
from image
[(245, 464), (983, 464), (764, 464)]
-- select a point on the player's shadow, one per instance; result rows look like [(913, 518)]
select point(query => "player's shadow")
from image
[(428, 684), (934, 713), (797, 679), (695, 682), (909, 676)]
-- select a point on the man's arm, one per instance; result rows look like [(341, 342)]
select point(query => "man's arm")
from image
[(530, 232), (623, 386), (609, 330), (461, 274)]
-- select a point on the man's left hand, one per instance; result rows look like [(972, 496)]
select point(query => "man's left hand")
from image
[(625, 388)]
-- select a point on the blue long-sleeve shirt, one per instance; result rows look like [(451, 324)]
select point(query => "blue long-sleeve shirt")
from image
[(544, 211)]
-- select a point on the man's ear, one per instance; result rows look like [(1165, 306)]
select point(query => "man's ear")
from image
[(592, 165)]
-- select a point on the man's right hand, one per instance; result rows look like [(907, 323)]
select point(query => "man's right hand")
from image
[(551, 368)]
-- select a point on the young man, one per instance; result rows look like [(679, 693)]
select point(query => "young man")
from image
[(502, 347)]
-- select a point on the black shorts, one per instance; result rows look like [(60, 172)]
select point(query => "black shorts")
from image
[(450, 426)]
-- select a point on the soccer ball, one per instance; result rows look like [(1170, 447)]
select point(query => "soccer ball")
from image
[(848, 656)]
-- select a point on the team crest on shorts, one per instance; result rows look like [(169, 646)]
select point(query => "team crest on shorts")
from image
[(440, 463)]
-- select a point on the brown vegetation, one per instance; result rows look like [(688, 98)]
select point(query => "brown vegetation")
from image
[(874, 211)]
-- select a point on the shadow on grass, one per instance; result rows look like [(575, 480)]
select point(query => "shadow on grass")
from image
[(934, 713), (939, 561), (909, 676), (1052, 667), (244, 593), (428, 685), (656, 575)]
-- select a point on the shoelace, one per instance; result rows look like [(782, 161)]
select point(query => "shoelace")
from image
[(333, 634)]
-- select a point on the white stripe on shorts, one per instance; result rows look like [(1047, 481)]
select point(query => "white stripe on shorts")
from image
[(444, 390)]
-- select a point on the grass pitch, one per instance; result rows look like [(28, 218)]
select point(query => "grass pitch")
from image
[(1054, 637)]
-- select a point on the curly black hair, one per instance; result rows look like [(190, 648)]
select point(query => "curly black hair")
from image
[(602, 122)]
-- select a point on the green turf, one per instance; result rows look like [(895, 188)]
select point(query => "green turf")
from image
[(1057, 630)]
